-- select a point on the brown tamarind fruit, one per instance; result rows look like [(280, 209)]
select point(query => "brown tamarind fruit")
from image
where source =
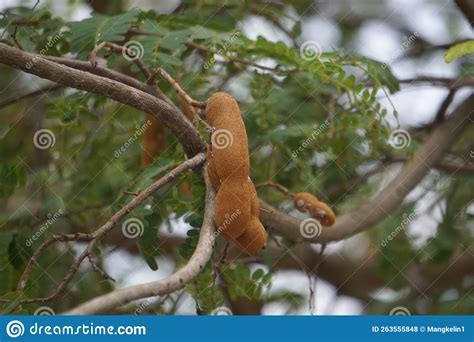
[(237, 205), (255, 237), (233, 208), (306, 202), (154, 139)]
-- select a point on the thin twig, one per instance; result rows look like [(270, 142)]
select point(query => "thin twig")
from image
[(440, 115), (38, 92), (120, 49), (99, 269), (45, 245), (184, 96), (276, 186)]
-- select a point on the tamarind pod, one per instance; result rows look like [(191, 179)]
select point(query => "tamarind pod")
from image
[(154, 139), (321, 212), (302, 201), (232, 208), (255, 236), (306, 202), (230, 145), (211, 171), (253, 239)]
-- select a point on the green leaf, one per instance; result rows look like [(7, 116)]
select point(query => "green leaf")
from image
[(383, 74), (296, 29), (459, 50), (148, 244), (11, 178), (86, 34)]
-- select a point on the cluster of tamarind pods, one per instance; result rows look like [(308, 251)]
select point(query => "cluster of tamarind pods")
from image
[(237, 204)]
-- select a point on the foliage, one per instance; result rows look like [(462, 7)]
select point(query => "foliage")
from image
[(459, 50)]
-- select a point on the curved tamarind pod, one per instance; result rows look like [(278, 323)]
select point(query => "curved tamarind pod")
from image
[(306, 202), (154, 139), (237, 205), (229, 140), (255, 235), (232, 208)]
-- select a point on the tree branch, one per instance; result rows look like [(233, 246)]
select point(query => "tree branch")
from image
[(174, 120), (176, 281), (391, 197), (360, 277)]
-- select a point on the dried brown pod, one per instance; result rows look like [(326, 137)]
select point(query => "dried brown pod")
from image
[(306, 202), (237, 205)]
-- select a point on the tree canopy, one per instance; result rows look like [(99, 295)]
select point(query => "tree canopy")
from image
[(73, 191)]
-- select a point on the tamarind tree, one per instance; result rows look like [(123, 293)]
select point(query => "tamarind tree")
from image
[(82, 198)]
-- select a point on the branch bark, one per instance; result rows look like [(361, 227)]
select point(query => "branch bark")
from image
[(176, 281), (385, 202)]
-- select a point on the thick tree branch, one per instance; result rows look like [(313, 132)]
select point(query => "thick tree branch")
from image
[(391, 197), (176, 281), (360, 277), (109, 73), (175, 121)]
